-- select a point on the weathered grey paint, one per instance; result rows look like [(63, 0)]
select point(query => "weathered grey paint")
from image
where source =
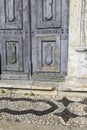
[(15, 38), (49, 33), (33, 38)]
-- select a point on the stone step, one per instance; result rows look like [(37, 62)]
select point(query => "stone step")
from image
[(43, 88), (73, 86)]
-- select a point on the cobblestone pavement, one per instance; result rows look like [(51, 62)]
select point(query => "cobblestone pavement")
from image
[(22, 126), (23, 108)]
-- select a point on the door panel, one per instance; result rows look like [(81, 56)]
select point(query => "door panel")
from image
[(11, 14), (46, 11), (48, 53), (12, 59), (49, 38)]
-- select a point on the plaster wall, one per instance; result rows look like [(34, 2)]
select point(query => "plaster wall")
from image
[(77, 56), (76, 79)]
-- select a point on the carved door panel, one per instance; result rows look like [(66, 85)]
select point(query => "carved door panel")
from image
[(14, 39), (49, 37)]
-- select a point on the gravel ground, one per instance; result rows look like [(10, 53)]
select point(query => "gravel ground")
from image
[(36, 109)]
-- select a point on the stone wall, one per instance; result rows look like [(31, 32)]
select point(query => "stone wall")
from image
[(82, 48), (77, 62), (74, 28), (76, 79)]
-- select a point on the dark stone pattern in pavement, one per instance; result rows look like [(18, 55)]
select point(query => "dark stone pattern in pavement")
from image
[(66, 115), (40, 110), (65, 101), (52, 108)]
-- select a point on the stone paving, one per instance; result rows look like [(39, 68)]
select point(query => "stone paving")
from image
[(36, 109), (24, 126)]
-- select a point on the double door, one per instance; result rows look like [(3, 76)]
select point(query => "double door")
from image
[(34, 39)]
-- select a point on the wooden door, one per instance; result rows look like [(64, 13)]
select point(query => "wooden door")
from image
[(33, 39), (49, 38), (14, 39)]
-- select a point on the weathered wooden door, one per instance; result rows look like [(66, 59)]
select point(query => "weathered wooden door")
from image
[(14, 39), (33, 38), (49, 38)]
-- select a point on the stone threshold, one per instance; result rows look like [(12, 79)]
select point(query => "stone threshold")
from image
[(73, 86), (67, 88), (37, 87)]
